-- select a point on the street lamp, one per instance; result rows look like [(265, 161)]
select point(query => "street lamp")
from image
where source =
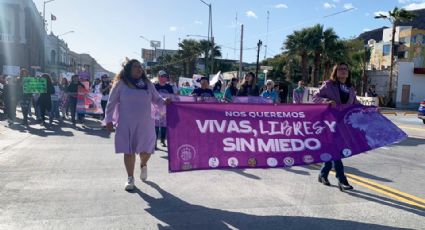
[(210, 33), (71, 31)]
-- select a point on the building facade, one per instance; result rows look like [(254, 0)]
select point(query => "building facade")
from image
[(22, 34), (57, 59)]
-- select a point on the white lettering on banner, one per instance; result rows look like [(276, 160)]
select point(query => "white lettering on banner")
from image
[(225, 126), (271, 145), (265, 114)]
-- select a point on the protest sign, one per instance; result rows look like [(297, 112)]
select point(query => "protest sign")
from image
[(10, 70), (212, 136), (34, 85), (88, 103)]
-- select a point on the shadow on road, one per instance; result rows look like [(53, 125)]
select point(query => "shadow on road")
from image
[(179, 214), (243, 173), (296, 171), (357, 172), (411, 141), (387, 201), (43, 131)]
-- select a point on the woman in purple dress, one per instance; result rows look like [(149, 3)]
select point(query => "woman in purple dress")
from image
[(336, 91), (129, 109)]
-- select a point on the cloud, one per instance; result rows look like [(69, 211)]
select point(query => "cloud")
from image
[(173, 28), (348, 6), (328, 5), (381, 12), (403, 1), (335, 0), (281, 5), (366, 29), (251, 14), (415, 6), (198, 22)]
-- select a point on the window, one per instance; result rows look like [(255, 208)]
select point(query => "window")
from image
[(386, 50), (53, 57)]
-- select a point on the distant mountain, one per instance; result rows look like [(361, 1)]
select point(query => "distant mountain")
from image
[(376, 34)]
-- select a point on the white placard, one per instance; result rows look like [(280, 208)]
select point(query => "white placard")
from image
[(11, 70)]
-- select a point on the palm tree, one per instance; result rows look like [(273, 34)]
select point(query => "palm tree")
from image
[(205, 46), (333, 50), (296, 45), (316, 47), (394, 17), (189, 52)]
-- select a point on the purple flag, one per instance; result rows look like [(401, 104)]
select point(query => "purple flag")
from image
[(213, 136)]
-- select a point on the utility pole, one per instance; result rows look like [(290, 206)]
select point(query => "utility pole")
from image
[(267, 36), (241, 52), (212, 41), (258, 57)]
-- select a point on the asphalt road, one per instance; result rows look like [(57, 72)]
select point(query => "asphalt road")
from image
[(69, 178)]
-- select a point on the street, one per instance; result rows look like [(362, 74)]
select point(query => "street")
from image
[(66, 178)]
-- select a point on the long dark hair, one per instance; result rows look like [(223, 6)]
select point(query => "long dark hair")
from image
[(253, 82), (334, 77), (125, 73)]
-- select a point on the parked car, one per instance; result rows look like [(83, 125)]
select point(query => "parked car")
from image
[(421, 111)]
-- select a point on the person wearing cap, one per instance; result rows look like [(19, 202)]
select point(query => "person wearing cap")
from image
[(204, 91), (249, 86), (231, 90), (163, 87), (270, 92)]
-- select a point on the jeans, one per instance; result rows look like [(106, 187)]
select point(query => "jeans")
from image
[(339, 168), (54, 113), (103, 104), (162, 131)]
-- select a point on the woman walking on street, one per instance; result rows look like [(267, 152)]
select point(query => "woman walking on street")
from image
[(129, 106), (336, 91), (45, 101)]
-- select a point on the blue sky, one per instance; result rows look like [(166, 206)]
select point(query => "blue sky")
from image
[(109, 30)]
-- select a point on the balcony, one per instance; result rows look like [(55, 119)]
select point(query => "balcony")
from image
[(6, 38)]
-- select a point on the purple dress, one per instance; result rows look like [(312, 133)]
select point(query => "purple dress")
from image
[(130, 110)]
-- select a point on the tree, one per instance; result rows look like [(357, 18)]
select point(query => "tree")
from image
[(394, 17), (189, 52), (296, 44), (316, 48)]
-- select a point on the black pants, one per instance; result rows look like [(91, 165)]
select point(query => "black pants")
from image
[(161, 132), (103, 104), (43, 108), (339, 168), (73, 107)]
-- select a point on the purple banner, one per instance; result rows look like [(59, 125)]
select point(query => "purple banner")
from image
[(252, 100), (214, 136)]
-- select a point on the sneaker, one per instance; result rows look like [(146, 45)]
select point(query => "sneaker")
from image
[(144, 173), (129, 185), (163, 144)]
